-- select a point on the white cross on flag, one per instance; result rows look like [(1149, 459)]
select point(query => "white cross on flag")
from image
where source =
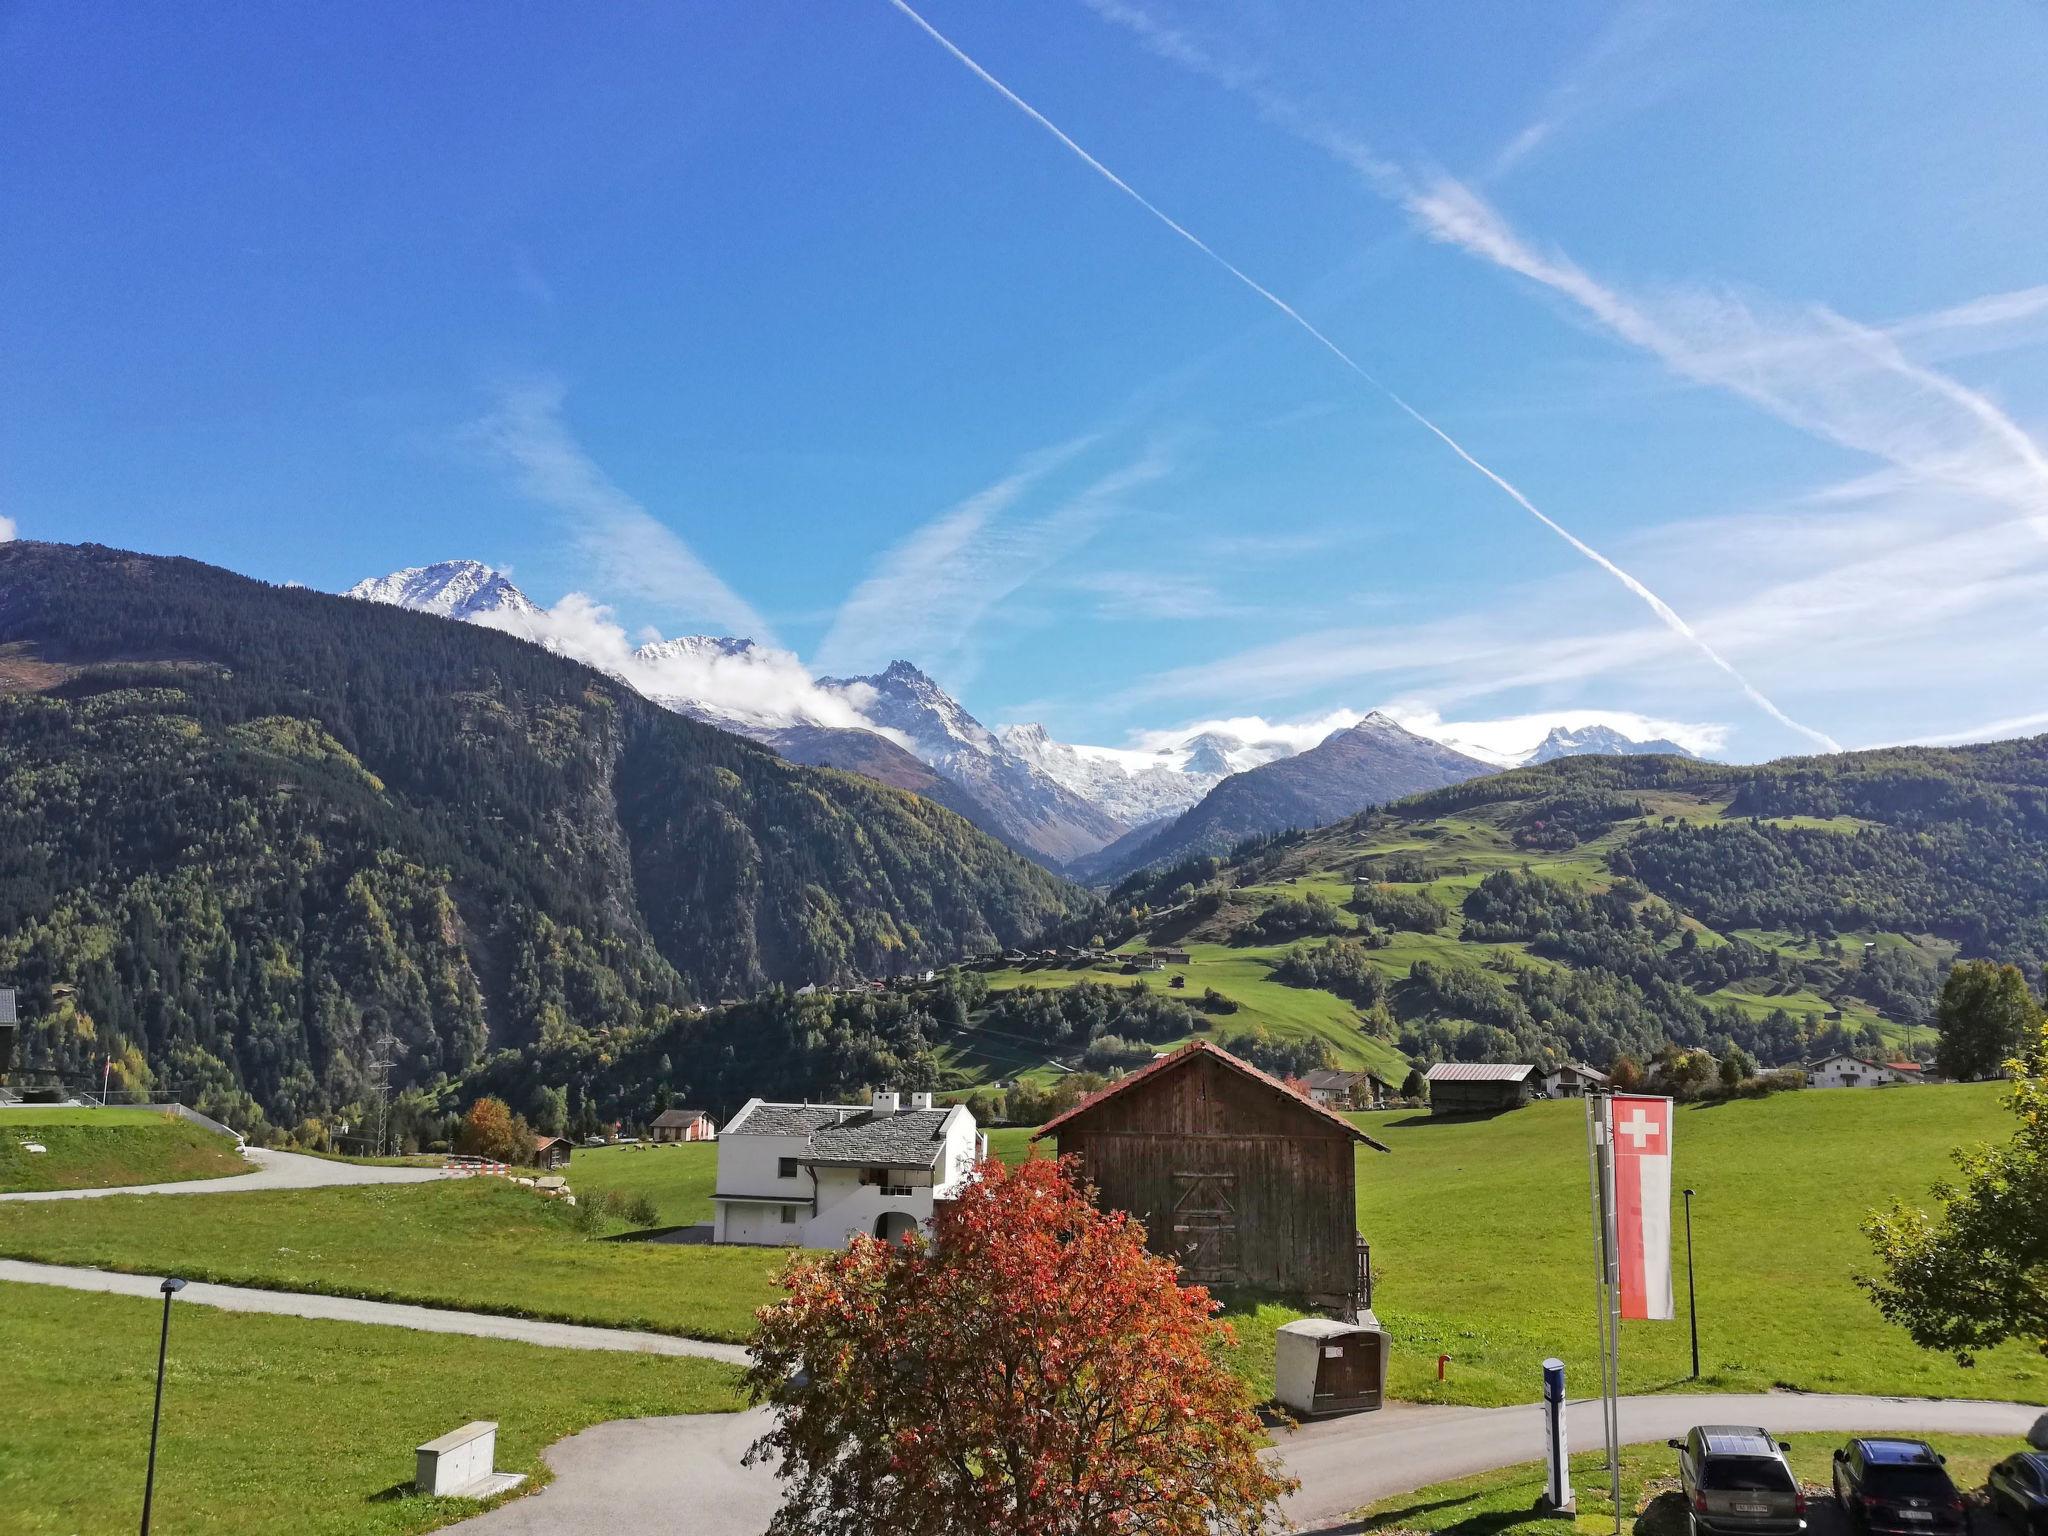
[(1642, 1196)]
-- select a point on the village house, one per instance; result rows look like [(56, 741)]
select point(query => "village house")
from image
[(1845, 1071), (1478, 1087), (551, 1151), (815, 1174), (1235, 1175), (1572, 1081), (682, 1125), (1349, 1090), (1165, 957)]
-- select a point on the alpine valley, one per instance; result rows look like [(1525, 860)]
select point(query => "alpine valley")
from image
[(1094, 813)]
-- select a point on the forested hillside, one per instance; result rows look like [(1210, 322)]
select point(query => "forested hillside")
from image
[(1595, 907), (248, 832)]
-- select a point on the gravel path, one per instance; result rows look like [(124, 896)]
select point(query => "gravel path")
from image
[(345, 1309), (273, 1170), (642, 1473)]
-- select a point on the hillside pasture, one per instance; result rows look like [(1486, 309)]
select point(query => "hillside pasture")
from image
[(108, 1148)]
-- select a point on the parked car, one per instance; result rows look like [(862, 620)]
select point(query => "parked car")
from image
[(2019, 1491), (1738, 1483), (1898, 1486)]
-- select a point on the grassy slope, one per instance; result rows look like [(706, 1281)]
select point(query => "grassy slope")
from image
[(101, 1148), (479, 1244), (265, 1421), (1239, 972), (677, 1176), (1481, 1240), (1495, 1503)]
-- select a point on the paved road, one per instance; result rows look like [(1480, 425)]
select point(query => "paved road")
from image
[(640, 1473), (273, 1170), (344, 1309)]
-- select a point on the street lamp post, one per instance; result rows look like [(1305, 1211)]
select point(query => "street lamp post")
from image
[(1692, 1301), (170, 1288)]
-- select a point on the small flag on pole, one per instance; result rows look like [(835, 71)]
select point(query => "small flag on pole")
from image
[(1641, 1128)]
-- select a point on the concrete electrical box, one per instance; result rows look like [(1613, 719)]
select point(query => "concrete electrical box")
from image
[(1323, 1367)]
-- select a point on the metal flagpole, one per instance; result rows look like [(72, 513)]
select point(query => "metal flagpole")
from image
[(1600, 1146)]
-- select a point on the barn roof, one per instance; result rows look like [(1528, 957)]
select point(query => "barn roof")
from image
[(1181, 1057), (673, 1118), (1478, 1072)]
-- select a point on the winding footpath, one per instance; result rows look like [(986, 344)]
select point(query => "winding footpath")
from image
[(389, 1314), (273, 1170), (645, 1473)]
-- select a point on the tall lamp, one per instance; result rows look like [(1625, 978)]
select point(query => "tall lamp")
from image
[(170, 1288)]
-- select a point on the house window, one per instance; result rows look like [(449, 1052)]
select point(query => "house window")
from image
[(901, 1191), (789, 1215), (785, 1167)]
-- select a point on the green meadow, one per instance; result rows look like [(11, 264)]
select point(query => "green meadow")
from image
[(280, 1423), (106, 1148)]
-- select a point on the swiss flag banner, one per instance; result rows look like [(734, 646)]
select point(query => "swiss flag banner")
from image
[(1641, 1128)]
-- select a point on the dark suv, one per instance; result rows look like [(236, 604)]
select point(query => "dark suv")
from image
[(1898, 1486), (1738, 1483)]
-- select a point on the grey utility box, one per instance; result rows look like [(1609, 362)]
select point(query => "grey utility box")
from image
[(1323, 1367)]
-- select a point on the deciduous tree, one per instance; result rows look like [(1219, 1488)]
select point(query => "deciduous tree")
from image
[(1034, 1371), (1986, 1012), (490, 1129), (1976, 1275)]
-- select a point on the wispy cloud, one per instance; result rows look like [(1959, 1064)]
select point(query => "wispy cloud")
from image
[(928, 595), (630, 551), (1666, 614), (8, 531)]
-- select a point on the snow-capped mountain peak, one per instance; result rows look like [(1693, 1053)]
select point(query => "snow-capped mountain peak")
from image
[(1604, 739), (904, 699), (695, 647), (454, 589)]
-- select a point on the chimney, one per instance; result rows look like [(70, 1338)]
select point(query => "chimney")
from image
[(885, 1100), (920, 1101)]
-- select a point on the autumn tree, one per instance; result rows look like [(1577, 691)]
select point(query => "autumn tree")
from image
[(1031, 1371), (491, 1130), (1976, 1275), (1986, 1012)]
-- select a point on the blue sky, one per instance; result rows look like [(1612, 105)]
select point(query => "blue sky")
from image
[(781, 318)]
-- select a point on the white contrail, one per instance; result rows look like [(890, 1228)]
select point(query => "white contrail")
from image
[(1664, 611)]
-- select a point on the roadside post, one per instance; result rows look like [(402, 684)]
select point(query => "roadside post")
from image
[(1692, 1303), (1557, 1487), (170, 1288)]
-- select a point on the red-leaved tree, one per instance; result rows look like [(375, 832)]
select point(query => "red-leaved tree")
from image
[(1034, 1371)]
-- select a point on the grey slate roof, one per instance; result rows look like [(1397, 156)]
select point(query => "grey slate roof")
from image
[(907, 1139), (677, 1117), (791, 1119)]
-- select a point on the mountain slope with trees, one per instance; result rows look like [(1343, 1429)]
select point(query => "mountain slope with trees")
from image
[(253, 838), (1593, 908)]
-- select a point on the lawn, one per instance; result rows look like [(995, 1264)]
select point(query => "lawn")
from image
[(103, 1148), (282, 1424), (677, 1176), (480, 1244), (1502, 1502), (1481, 1239)]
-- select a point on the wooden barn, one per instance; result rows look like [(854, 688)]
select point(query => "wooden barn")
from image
[(1234, 1174), (1478, 1087)]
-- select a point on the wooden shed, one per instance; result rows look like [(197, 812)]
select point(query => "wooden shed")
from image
[(1479, 1087), (552, 1151), (1234, 1174)]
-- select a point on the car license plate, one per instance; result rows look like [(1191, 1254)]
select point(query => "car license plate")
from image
[(1752, 1509), (1916, 1514)]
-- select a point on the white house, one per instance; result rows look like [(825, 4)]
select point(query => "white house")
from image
[(1855, 1072), (1572, 1081), (812, 1175)]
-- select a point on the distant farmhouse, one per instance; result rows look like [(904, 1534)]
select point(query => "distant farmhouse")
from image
[(1477, 1087), (816, 1174), (1349, 1090), (1844, 1071), (682, 1125), (1572, 1081), (552, 1152), (1235, 1175)]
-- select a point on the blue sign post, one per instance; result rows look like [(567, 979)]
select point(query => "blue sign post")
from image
[(1557, 1490)]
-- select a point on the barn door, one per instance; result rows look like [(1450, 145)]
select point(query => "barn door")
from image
[(1205, 1227)]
